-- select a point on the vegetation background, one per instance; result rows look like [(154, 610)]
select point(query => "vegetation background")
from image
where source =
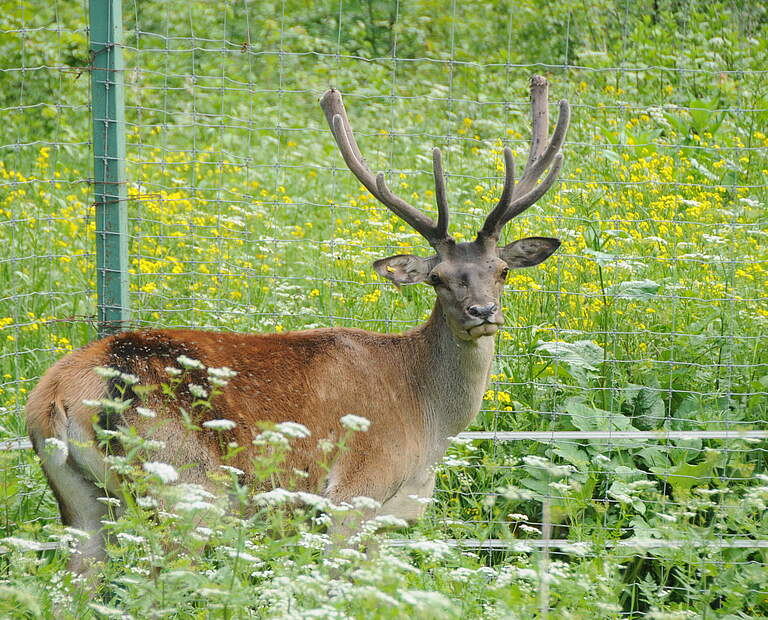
[(243, 217)]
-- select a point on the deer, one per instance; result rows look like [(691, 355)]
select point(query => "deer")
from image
[(418, 389)]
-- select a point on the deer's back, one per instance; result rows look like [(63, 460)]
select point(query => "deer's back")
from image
[(312, 377)]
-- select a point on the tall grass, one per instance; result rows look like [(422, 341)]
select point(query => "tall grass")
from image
[(243, 217)]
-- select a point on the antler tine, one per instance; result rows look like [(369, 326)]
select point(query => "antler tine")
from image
[(539, 120), (336, 115), (543, 154), (520, 204), (492, 221), (535, 169), (440, 197)]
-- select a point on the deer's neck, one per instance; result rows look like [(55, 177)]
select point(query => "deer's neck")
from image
[(452, 375)]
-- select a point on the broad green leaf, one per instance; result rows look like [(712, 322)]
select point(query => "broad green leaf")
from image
[(685, 476), (633, 289)]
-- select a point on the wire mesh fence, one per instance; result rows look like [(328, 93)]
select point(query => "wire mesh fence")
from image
[(629, 389)]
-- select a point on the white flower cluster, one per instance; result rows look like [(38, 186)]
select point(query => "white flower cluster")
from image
[(145, 412), (293, 429), (355, 422), (219, 425), (105, 372), (189, 363), (193, 498), (130, 538), (57, 449), (436, 548), (198, 391), (551, 468), (220, 376), (165, 472)]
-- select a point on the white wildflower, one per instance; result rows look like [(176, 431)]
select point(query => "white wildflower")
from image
[(551, 468), (206, 592), (314, 541), (318, 502), (275, 497), (529, 529), (422, 500), (516, 493), (436, 548), (115, 404), (147, 502), (434, 603), (189, 363), (198, 391), (517, 516), (130, 538), (106, 373), (107, 612), (219, 425), (580, 549), (325, 445), (172, 372), (242, 555), (461, 574), (221, 376), (57, 446), (450, 461), (355, 422), (153, 444), (270, 438), (77, 533), (365, 503), (165, 472), (89, 402), (293, 429), (145, 412), (108, 501), (322, 519), (21, 544), (232, 470), (128, 378)]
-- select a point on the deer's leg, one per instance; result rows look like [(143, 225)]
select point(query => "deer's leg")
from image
[(77, 485)]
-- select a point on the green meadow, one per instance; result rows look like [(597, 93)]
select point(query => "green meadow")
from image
[(242, 216)]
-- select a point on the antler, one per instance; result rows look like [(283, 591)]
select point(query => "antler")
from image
[(333, 106), (517, 198)]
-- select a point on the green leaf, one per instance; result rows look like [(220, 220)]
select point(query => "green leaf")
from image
[(581, 357), (633, 289), (685, 476), (601, 258)]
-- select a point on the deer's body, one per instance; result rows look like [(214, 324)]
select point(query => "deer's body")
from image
[(417, 388), (311, 377)]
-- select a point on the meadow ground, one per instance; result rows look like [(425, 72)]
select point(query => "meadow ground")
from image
[(651, 317)]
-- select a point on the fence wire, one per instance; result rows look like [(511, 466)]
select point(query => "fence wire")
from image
[(629, 388)]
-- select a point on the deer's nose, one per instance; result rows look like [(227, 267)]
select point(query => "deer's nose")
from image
[(482, 312)]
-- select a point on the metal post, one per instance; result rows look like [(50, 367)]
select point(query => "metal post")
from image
[(108, 113)]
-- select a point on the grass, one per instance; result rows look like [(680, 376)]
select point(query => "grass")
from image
[(243, 217)]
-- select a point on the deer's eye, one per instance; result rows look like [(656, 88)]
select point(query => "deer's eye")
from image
[(504, 273), (434, 279)]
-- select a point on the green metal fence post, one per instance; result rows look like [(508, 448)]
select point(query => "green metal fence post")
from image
[(108, 112)]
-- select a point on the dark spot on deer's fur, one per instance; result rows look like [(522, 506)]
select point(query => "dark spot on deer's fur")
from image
[(134, 346)]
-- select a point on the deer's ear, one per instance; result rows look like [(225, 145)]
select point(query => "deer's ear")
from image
[(528, 252), (405, 268)]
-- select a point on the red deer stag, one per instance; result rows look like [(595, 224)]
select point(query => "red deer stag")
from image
[(417, 388)]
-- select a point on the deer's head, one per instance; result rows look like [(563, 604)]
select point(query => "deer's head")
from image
[(467, 277)]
